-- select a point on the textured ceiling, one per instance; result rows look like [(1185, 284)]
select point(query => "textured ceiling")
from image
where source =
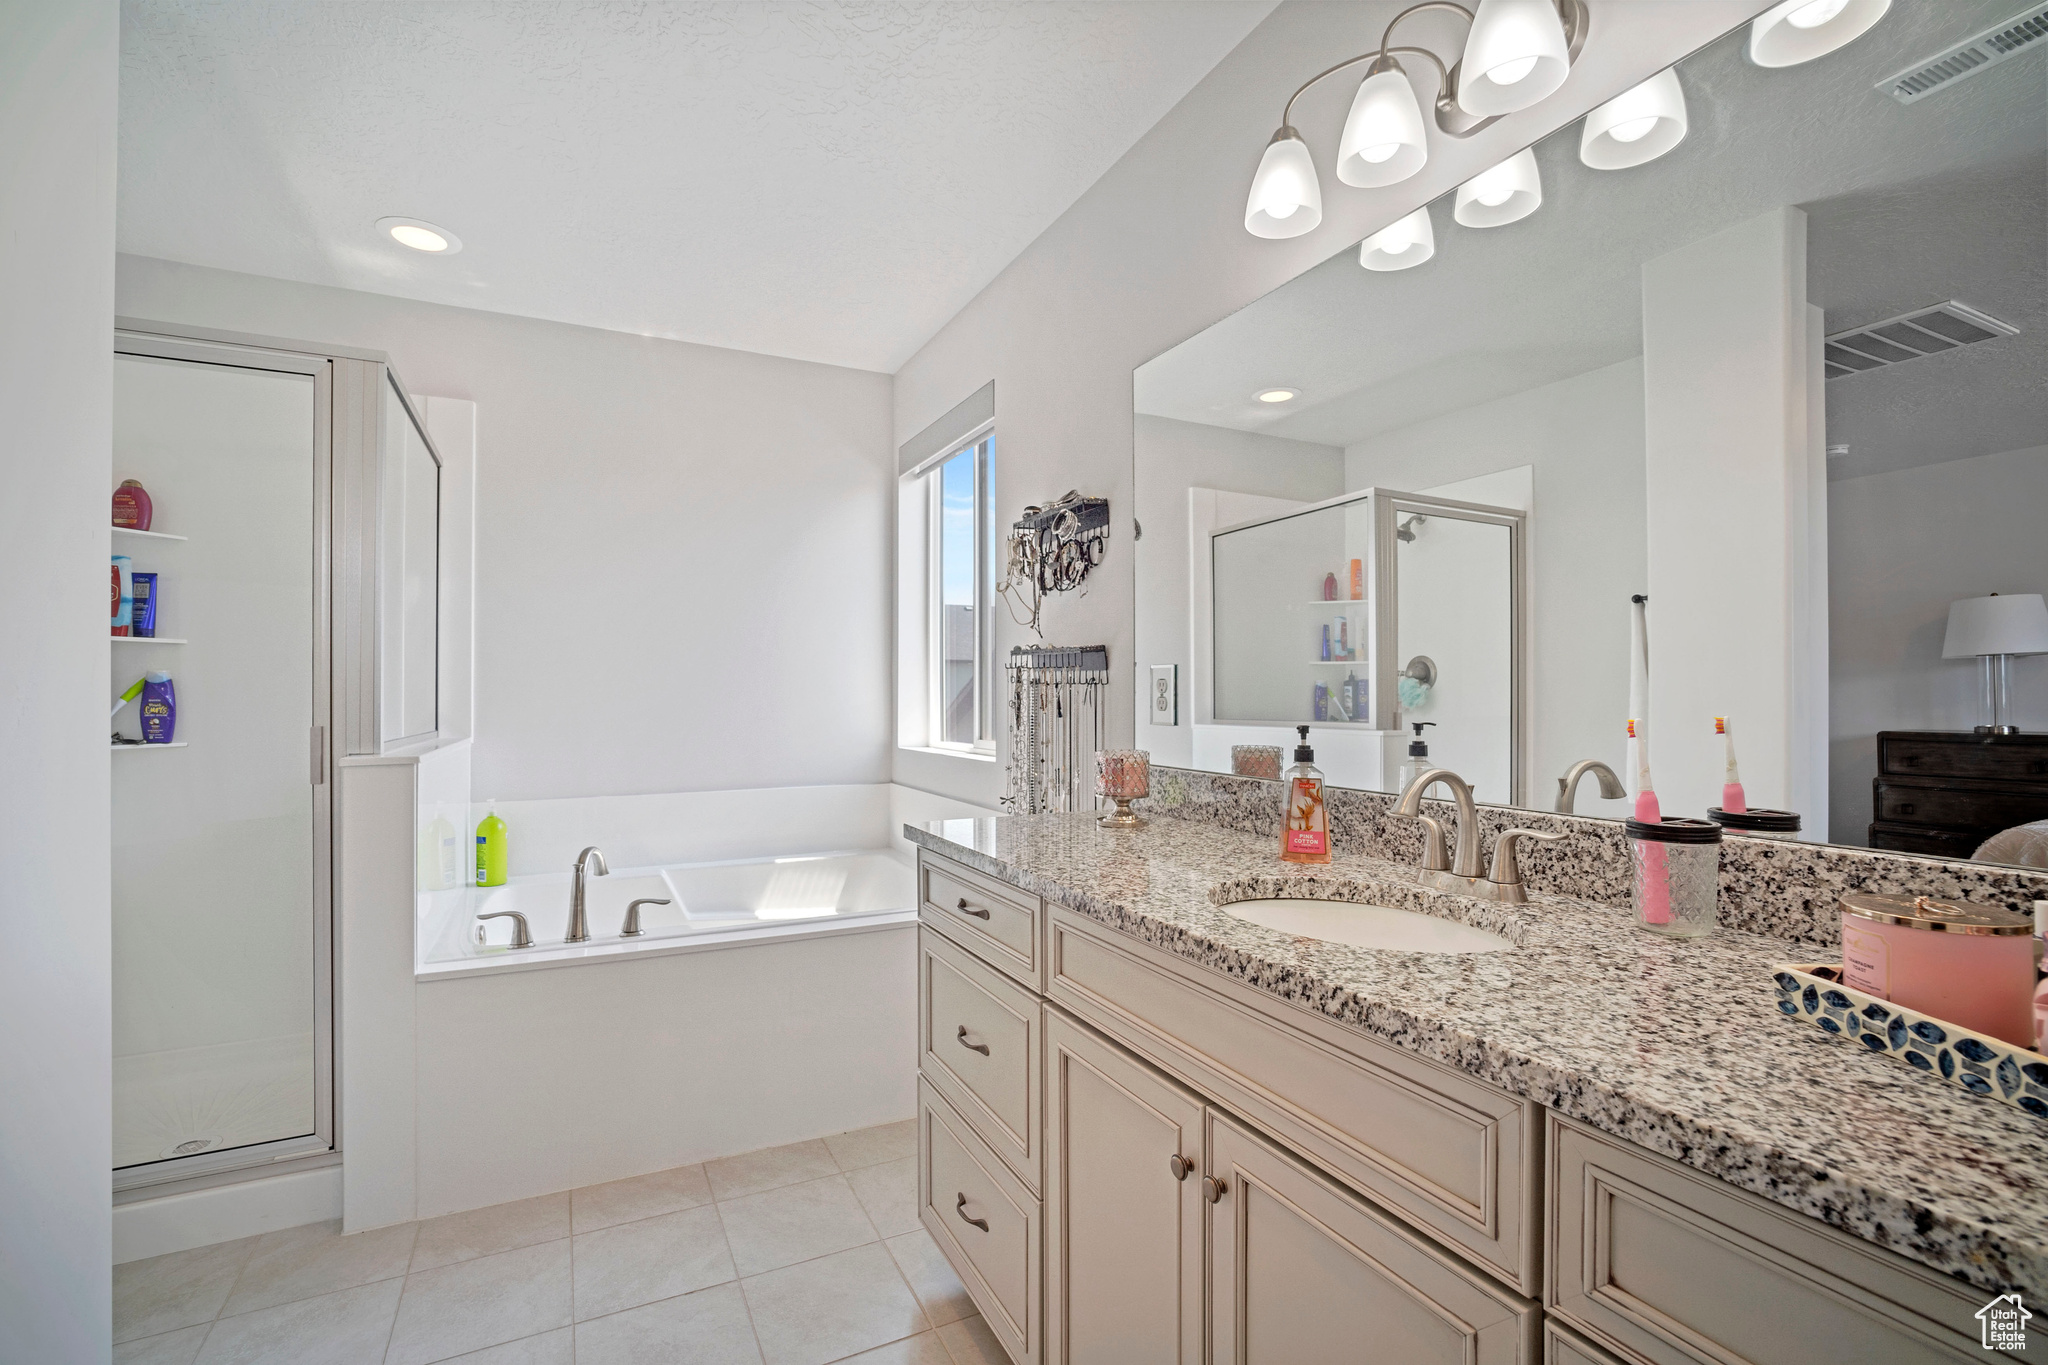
[(1909, 205), (830, 182)]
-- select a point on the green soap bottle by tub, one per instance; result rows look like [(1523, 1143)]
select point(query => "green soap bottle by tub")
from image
[(490, 848)]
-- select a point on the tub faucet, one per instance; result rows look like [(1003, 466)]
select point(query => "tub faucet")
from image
[(1568, 785), (579, 923)]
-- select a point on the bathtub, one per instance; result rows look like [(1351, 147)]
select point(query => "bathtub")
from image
[(709, 905)]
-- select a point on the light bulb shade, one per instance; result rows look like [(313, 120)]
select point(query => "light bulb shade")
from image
[(1510, 191), (1407, 243), (2009, 623), (1513, 37), (1659, 99), (1385, 114), (1286, 200), (1774, 40)]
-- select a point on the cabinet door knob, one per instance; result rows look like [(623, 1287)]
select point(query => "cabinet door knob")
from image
[(1214, 1189), (967, 909), (1179, 1165), (961, 1038), (960, 1207)]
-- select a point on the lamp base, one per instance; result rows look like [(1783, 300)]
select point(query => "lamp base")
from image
[(1996, 730), (1121, 817)]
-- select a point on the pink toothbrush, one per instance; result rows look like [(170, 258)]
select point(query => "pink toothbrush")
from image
[(1656, 904), (1732, 800)]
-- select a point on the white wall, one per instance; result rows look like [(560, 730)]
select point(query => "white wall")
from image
[(681, 552), (1582, 440), (1901, 547), (58, 65), (1156, 251)]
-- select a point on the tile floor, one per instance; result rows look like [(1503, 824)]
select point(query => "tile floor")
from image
[(797, 1255)]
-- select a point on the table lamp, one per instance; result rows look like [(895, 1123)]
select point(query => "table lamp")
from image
[(1993, 629)]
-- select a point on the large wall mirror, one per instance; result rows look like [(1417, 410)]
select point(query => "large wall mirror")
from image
[(1787, 379)]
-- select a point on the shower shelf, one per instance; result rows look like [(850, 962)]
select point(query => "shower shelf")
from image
[(124, 748), (146, 640), (149, 535)]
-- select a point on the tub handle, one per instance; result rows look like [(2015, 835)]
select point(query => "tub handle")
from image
[(961, 1038), (960, 1207), (520, 937), (967, 909), (632, 924)]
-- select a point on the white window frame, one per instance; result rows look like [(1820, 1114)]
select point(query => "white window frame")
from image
[(982, 445)]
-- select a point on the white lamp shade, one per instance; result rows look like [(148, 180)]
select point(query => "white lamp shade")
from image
[(1407, 243), (1510, 191), (1286, 200), (2008, 623), (1635, 126), (1383, 140), (1800, 30), (1514, 56)]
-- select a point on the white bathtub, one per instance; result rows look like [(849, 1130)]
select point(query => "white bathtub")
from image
[(710, 904)]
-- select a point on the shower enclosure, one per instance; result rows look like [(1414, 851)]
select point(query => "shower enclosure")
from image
[(294, 542)]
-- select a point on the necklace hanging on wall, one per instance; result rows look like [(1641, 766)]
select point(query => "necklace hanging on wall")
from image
[(1051, 549)]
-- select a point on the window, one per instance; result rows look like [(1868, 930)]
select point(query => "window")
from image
[(961, 635)]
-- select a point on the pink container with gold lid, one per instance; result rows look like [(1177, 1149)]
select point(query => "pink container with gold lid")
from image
[(1972, 965)]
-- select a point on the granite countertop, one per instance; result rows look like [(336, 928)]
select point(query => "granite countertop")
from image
[(1676, 1046)]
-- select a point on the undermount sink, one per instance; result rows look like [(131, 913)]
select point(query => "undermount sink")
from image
[(1368, 926)]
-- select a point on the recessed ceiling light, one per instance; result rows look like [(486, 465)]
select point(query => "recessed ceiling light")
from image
[(1277, 396), (420, 236)]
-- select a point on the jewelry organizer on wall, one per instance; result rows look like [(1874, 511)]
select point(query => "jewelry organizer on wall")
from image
[(1051, 549), (1056, 701)]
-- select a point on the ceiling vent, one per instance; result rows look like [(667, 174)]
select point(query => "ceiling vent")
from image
[(1911, 335), (1967, 58)]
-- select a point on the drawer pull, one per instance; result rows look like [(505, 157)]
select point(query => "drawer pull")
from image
[(967, 909), (1179, 1165), (1213, 1189), (961, 1038), (960, 1207)]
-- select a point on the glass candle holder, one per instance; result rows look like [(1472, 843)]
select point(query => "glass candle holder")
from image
[(1256, 760), (1123, 775), (1677, 875)]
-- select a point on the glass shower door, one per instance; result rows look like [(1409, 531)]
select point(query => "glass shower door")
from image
[(222, 1024)]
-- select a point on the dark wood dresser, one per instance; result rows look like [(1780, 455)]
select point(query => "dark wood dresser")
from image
[(1947, 791)]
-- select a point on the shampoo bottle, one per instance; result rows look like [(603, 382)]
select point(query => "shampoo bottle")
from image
[(490, 848), (1305, 832), (159, 709)]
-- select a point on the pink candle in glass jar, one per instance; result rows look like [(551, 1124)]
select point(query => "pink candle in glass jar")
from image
[(1123, 772), (1972, 965)]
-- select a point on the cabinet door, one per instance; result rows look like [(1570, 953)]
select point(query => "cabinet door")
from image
[(1123, 1207), (1302, 1273)]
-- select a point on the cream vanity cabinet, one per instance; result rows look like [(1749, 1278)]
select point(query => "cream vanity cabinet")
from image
[(1133, 1161)]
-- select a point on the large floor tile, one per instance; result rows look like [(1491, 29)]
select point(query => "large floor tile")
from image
[(889, 1193), (873, 1146), (752, 1172), (656, 1258), (181, 1289), (923, 1349), (795, 1223), (304, 1262), (348, 1328), (643, 1196), (836, 1306), (549, 1348), (166, 1348), (485, 1232), (970, 1342), (931, 1277), (473, 1304), (709, 1327)]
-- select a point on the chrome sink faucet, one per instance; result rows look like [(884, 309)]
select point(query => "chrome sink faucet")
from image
[(579, 922), (1611, 788), (1503, 882)]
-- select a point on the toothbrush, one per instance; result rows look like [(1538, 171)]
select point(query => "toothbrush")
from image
[(130, 695), (1732, 800), (1656, 906)]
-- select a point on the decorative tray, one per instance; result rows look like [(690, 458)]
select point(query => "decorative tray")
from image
[(1977, 1062)]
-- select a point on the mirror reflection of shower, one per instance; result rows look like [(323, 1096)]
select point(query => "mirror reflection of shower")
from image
[(1406, 530)]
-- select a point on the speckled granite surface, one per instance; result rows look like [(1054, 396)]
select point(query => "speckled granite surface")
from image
[(1675, 1046)]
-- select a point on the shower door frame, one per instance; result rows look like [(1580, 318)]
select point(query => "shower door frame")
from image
[(321, 1147)]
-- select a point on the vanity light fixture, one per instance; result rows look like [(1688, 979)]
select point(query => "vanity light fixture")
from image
[(1505, 194), (1409, 242), (1801, 30), (1516, 52), (420, 235), (1279, 395), (1636, 126)]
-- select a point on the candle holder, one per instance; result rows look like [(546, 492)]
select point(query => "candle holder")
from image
[(1123, 775)]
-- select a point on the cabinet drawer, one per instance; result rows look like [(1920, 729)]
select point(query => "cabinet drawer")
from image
[(985, 1220), (1661, 1263), (2010, 758), (1300, 1271), (1457, 1157), (1925, 839), (1562, 1346), (979, 1036), (997, 923), (1964, 805)]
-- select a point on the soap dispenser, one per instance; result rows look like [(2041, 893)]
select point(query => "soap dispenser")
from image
[(1418, 756), (1305, 831)]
